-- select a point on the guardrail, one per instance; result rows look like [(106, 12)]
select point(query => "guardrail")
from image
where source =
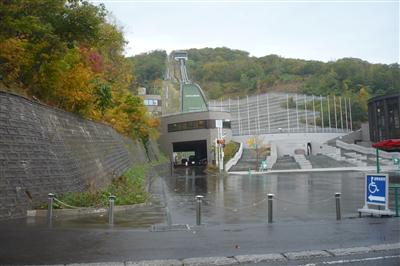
[(234, 160), (271, 159), (366, 150), (52, 198)]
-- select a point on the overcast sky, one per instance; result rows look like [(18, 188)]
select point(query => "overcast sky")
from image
[(320, 30)]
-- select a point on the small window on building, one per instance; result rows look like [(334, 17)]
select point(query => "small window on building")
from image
[(150, 102), (226, 124)]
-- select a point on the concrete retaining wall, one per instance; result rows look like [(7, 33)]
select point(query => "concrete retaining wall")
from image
[(288, 143), (44, 150)]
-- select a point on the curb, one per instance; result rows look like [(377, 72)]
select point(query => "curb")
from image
[(338, 169), (84, 211), (256, 258)]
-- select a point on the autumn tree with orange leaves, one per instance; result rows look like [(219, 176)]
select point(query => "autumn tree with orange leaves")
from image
[(66, 54)]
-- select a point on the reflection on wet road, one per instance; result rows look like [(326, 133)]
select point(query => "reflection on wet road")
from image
[(236, 199), (233, 199)]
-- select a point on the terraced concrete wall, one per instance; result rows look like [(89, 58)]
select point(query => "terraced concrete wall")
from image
[(44, 150)]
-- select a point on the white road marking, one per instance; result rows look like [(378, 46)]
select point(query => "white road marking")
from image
[(360, 260)]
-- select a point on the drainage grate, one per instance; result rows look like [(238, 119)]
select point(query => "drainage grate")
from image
[(172, 227)]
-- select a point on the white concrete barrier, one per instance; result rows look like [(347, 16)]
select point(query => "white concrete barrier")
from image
[(234, 160), (271, 159), (366, 150)]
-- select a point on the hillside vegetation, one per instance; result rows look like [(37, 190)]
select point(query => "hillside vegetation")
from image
[(223, 72), (66, 54), (149, 69)]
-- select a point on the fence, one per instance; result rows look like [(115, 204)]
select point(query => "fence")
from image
[(269, 212), (290, 113)]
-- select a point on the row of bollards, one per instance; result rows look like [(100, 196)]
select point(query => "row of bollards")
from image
[(111, 202), (337, 200), (50, 201), (270, 198), (199, 199), (270, 207)]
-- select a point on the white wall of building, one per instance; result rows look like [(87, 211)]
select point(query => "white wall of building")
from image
[(288, 143)]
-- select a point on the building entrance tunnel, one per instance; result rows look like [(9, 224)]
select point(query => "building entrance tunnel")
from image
[(190, 153)]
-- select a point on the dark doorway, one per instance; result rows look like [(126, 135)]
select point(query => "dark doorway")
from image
[(309, 148), (192, 152)]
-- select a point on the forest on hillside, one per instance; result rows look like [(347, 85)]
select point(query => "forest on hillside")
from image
[(66, 53), (150, 69), (223, 72)]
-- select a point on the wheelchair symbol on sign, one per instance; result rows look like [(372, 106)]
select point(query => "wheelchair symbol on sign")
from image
[(372, 187)]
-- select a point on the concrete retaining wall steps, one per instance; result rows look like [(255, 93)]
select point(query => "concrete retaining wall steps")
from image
[(44, 150)]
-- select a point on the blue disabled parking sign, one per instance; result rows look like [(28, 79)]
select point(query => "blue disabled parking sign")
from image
[(376, 189)]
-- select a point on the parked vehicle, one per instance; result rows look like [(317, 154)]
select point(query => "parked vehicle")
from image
[(192, 160)]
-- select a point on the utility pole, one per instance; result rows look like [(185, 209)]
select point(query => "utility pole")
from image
[(345, 112), (315, 120), (287, 108), (238, 106), (322, 114), (258, 117), (334, 105), (305, 111), (248, 114), (351, 119), (329, 114), (269, 124), (341, 113), (297, 115)]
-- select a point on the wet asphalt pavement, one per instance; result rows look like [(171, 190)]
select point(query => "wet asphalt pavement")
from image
[(234, 199), (234, 221), (21, 244)]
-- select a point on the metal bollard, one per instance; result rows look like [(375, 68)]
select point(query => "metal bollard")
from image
[(338, 214), (50, 201), (198, 209), (111, 209), (270, 207)]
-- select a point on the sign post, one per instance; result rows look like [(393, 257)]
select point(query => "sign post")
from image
[(376, 193), (220, 153)]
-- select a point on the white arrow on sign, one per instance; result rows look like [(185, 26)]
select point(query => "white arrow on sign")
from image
[(376, 198)]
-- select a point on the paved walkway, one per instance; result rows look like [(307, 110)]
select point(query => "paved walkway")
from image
[(247, 161), (323, 161)]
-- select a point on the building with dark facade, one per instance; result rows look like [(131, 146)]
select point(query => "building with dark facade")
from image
[(193, 131), (384, 117)]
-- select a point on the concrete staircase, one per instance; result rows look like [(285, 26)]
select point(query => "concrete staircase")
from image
[(302, 161), (285, 163), (247, 161)]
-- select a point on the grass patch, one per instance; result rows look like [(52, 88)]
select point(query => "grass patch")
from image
[(128, 188), (230, 150)]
